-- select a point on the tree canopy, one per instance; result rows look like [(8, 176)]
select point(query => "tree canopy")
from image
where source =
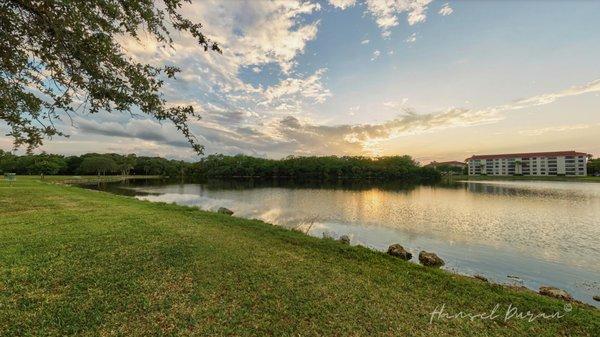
[(401, 168), (593, 166), (60, 57), (314, 167), (91, 163)]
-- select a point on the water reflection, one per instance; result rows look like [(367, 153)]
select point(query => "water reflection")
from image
[(546, 233)]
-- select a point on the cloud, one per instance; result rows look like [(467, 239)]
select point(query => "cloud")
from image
[(412, 38), (284, 135), (394, 104), (271, 118), (387, 12), (288, 90), (342, 4), (364, 41), (262, 36), (252, 34), (562, 128), (364, 138), (143, 129), (376, 54), (446, 10), (353, 110), (593, 86)]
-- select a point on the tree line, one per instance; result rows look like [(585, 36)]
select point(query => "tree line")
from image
[(90, 163), (221, 166), (239, 166), (313, 167)]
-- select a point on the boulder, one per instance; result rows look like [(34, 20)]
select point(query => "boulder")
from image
[(430, 259), (596, 298), (556, 293), (224, 210), (345, 239), (398, 251)]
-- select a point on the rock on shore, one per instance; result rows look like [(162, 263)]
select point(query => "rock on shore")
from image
[(556, 293), (398, 251), (430, 259), (345, 239), (224, 210)]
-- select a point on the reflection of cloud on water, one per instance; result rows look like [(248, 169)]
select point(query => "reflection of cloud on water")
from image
[(199, 201), (181, 199)]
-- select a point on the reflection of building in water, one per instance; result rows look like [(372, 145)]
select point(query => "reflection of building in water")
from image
[(567, 163), (492, 189)]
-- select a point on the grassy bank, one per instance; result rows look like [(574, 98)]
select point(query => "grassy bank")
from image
[(75, 261), (82, 179), (528, 178)]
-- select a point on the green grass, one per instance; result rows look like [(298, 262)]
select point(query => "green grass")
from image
[(82, 179), (75, 261), (530, 178)]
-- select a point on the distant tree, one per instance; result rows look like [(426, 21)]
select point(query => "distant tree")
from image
[(72, 167), (593, 166), (45, 167), (149, 166), (99, 164), (46, 164), (125, 164), (8, 162), (61, 56)]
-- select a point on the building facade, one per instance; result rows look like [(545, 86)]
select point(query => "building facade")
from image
[(562, 163)]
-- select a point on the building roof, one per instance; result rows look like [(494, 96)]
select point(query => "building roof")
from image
[(528, 155)]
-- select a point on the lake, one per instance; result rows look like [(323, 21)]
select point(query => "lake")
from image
[(512, 232)]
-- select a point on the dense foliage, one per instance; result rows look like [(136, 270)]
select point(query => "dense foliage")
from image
[(450, 169), (396, 167), (59, 57), (91, 163), (220, 166), (593, 167)]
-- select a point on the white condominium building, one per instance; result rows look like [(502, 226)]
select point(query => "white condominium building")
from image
[(567, 163)]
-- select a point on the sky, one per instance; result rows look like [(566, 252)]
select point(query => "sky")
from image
[(436, 80)]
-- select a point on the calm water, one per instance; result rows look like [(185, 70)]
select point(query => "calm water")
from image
[(528, 233)]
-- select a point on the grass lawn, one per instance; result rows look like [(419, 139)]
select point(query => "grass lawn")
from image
[(83, 179), (75, 261)]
